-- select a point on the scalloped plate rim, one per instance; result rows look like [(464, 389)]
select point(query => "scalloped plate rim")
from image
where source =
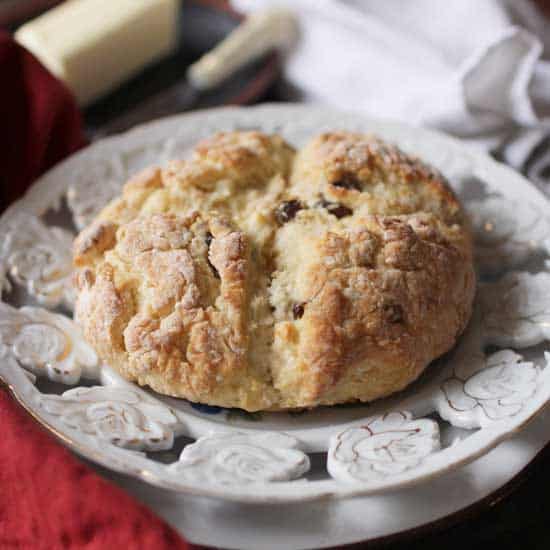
[(249, 493), (33, 201)]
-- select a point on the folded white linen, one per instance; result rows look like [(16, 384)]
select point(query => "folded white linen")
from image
[(473, 68)]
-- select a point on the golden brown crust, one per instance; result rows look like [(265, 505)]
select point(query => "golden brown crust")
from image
[(366, 173), (393, 293), (93, 241), (251, 277)]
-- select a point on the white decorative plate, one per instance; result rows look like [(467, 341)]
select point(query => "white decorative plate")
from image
[(490, 386)]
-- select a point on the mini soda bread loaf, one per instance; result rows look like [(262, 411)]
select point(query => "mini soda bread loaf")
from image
[(253, 276)]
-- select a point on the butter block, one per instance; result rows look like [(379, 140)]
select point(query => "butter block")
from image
[(94, 45)]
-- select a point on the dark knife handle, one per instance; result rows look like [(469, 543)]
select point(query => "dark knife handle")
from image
[(177, 98)]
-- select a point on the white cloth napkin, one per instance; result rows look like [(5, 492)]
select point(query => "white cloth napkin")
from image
[(473, 68)]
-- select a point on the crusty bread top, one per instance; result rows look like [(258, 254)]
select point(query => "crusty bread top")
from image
[(256, 277)]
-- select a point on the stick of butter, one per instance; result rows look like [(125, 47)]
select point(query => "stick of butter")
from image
[(94, 45)]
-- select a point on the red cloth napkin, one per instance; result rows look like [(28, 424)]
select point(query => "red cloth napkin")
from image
[(48, 498), (40, 123), (51, 500)]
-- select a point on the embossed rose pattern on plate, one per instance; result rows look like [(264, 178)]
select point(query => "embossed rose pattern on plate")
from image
[(494, 381)]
